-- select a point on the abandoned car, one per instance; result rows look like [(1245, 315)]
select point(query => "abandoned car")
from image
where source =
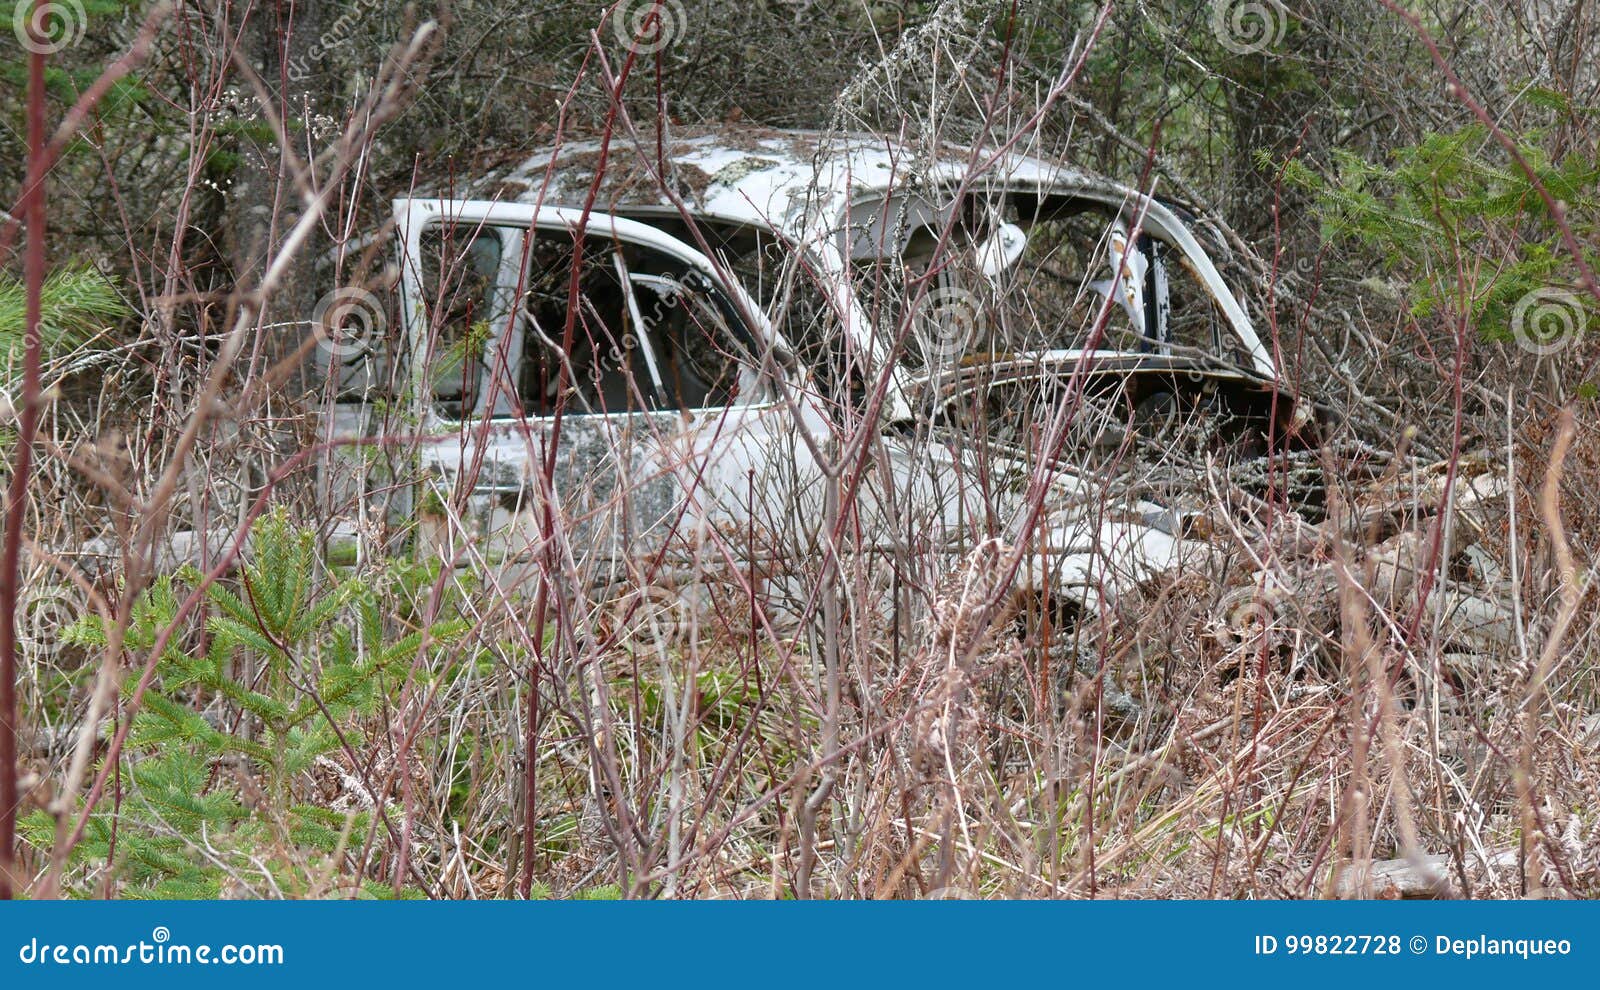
[(619, 360)]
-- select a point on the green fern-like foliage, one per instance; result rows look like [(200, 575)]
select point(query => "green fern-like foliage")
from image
[(220, 754), (1457, 202), (77, 306)]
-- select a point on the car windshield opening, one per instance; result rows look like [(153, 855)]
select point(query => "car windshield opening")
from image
[(1021, 273)]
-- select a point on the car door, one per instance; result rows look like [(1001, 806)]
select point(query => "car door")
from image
[(595, 382)]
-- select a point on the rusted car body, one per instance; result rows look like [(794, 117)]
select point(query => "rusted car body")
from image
[(665, 356)]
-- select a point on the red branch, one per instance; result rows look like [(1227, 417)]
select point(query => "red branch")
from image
[(16, 503)]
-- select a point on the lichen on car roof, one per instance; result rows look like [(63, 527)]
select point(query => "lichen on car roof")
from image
[(741, 172)]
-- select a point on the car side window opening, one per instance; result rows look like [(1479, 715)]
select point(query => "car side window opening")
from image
[(1195, 322), (649, 332), (906, 281), (459, 265), (791, 295), (1054, 295)]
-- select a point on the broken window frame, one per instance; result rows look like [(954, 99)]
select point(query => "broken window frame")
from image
[(1153, 223), (515, 222)]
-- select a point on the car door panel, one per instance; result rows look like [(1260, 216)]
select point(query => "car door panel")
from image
[(631, 473)]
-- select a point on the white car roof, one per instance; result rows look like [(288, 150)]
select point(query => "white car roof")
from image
[(803, 183), (761, 176)]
